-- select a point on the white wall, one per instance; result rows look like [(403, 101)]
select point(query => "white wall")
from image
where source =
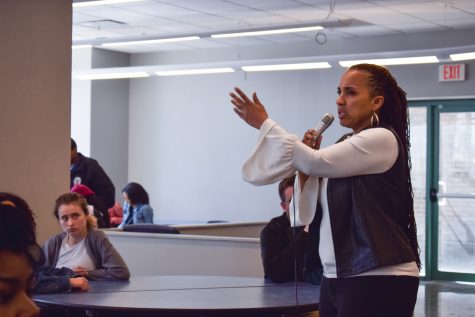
[(186, 146), (81, 102), (100, 112)]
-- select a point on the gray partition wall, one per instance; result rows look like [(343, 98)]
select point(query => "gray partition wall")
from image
[(110, 119), (179, 254)]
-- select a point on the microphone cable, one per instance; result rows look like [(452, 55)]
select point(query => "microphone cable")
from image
[(295, 250)]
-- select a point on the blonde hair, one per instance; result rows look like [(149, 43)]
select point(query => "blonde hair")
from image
[(91, 221)]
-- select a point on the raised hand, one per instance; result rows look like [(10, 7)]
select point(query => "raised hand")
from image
[(309, 140), (251, 111)]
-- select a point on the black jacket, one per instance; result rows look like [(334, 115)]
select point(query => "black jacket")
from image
[(93, 176), (100, 211), (369, 219), (281, 248)]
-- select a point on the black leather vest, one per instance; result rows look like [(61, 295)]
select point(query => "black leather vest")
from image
[(368, 214)]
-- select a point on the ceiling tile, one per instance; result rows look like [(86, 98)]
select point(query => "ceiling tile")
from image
[(169, 18), (434, 12), (371, 30)]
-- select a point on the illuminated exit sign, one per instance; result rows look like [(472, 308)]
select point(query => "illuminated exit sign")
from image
[(452, 72)]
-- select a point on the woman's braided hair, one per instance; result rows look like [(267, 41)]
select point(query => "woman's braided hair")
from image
[(18, 229), (395, 113)]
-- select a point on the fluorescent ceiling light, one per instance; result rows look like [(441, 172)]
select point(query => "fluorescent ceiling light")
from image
[(75, 47), (393, 61), (267, 32), (112, 75), (462, 56), (264, 68), (100, 2), (194, 71), (158, 41)]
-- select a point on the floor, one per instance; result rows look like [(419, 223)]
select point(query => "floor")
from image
[(445, 299)]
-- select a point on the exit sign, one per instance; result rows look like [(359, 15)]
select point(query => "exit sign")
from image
[(452, 72)]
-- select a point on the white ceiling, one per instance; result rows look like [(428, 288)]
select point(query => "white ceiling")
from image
[(152, 19)]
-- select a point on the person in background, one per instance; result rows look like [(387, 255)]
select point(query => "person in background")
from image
[(136, 206), (368, 238), (81, 247), (288, 251), (20, 256), (87, 171), (99, 210)]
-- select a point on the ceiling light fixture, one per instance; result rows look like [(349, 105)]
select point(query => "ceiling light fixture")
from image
[(75, 47), (462, 56), (112, 76), (196, 71), (299, 66), (268, 32), (100, 2), (150, 42), (393, 61)]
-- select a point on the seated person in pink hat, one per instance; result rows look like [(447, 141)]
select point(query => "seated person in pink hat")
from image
[(99, 210)]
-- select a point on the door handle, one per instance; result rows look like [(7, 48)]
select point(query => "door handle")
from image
[(433, 194)]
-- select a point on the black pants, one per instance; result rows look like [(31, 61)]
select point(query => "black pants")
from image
[(368, 296)]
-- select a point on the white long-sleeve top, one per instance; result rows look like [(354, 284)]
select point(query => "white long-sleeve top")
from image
[(279, 154)]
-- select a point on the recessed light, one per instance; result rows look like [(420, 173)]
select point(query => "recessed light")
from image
[(196, 71), (299, 66), (268, 32), (393, 61)]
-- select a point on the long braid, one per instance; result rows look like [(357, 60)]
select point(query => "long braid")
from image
[(395, 113)]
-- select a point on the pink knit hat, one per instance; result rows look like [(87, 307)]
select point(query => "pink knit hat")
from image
[(82, 189)]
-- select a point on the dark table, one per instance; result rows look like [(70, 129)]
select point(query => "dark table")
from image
[(185, 296)]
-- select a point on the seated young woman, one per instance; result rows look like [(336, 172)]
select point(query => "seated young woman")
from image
[(81, 247), (137, 207)]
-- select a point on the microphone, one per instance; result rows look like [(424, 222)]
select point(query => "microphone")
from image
[(327, 120)]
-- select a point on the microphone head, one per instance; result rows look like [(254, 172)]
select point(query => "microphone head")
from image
[(326, 122), (328, 118)]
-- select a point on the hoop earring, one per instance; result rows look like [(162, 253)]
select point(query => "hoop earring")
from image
[(372, 119)]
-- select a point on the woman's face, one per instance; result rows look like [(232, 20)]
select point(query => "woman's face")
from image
[(355, 103), (15, 284), (73, 220), (126, 198)]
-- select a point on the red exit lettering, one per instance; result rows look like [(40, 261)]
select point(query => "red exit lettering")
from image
[(451, 72)]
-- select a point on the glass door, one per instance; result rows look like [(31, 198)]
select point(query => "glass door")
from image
[(443, 177), (418, 128), (452, 192)]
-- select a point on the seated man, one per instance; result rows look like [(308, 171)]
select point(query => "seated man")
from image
[(288, 251)]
